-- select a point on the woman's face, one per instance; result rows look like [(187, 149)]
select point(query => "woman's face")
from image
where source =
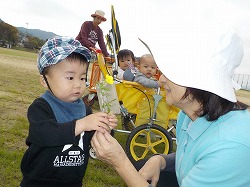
[(174, 92)]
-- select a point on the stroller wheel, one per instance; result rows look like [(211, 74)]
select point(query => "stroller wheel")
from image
[(126, 122), (147, 140)]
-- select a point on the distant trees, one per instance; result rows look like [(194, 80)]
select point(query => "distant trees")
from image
[(8, 33), (11, 35), (33, 42)]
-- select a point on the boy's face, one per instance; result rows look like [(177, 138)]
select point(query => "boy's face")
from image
[(67, 80), (123, 63), (147, 66)]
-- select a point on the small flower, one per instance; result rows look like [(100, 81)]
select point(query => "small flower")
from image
[(109, 79)]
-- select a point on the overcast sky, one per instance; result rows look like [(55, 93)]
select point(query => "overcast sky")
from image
[(136, 18)]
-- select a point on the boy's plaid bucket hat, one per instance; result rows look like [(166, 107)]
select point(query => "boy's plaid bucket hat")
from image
[(57, 49)]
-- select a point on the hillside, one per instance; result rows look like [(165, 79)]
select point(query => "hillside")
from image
[(44, 35)]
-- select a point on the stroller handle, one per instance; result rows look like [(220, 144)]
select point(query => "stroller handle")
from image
[(130, 83)]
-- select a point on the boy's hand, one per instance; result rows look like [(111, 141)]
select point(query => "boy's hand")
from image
[(113, 121), (99, 121)]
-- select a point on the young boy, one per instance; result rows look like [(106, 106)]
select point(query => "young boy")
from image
[(146, 71), (61, 126)]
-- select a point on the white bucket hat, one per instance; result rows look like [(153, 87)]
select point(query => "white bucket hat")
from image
[(99, 13), (199, 54)]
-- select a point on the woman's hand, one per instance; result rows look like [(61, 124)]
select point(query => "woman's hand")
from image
[(151, 169), (108, 149)]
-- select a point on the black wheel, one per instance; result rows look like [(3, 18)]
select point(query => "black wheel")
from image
[(147, 140), (172, 128), (126, 122), (89, 99)]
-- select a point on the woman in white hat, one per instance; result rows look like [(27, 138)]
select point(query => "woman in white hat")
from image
[(91, 33), (198, 59)]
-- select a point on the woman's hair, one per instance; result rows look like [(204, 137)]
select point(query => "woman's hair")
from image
[(124, 53), (212, 105)]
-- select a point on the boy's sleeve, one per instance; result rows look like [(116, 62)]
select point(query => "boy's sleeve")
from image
[(128, 75), (88, 110), (44, 130), (149, 83)]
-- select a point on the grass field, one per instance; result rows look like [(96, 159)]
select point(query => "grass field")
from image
[(19, 86)]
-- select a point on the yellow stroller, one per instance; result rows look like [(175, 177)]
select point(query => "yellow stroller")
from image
[(149, 119), (145, 115)]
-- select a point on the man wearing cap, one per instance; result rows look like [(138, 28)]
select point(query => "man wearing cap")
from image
[(91, 33)]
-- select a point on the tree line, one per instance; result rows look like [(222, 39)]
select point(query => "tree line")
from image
[(10, 35)]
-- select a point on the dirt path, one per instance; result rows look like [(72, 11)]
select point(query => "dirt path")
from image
[(243, 96)]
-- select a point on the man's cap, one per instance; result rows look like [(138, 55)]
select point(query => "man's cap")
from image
[(99, 13)]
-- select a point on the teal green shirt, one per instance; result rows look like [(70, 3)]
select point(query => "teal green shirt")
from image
[(214, 154)]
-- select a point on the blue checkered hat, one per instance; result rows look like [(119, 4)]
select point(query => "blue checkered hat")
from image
[(57, 49)]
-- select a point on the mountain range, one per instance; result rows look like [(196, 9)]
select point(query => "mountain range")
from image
[(44, 35)]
